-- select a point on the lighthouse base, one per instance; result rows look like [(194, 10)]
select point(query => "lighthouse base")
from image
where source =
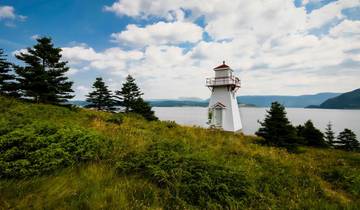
[(223, 110)]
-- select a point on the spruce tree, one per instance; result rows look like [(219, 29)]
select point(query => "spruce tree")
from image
[(276, 128), (101, 98), (7, 85), (43, 79), (310, 135), (347, 141), (143, 108), (329, 135), (130, 98), (129, 93)]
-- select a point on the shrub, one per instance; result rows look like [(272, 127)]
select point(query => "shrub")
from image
[(41, 148), (347, 141), (276, 128), (345, 178), (170, 124), (310, 135), (116, 119), (198, 182)]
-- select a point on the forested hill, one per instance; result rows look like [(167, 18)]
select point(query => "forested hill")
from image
[(349, 100), (288, 101), (258, 101), (54, 157)]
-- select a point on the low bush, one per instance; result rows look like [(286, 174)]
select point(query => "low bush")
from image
[(345, 178), (191, 180), (40, 148), (116, 118)]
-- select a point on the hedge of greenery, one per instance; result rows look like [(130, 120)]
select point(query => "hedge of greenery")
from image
[(189, 179), (40, 148)]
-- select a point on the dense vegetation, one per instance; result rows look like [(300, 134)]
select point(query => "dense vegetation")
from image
[(81, 159), (276, 130), (42, 78)]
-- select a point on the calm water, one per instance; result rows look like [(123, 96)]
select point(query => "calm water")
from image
[(198, 116)]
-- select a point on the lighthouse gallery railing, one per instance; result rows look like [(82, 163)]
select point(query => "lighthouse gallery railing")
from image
[(220, 81)]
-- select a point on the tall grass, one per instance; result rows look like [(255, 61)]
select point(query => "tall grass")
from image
[(161, 165)]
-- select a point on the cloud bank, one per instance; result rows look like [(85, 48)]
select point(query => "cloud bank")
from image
[(276, 47)]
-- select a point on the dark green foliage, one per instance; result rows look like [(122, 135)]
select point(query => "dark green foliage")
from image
[(310, 135), (129, 93), (349, 100), (43, 78), (344, 177), (130, 98), (41, 148), (329, 135), (276, 128), (170, 124), (347, 141), (7, 85), (101, 97), (198, 182), (143, 108)]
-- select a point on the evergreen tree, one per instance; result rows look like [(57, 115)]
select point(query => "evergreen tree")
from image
[(130, 98), (143, 108), (101, 98), (276, 128), (329, 135), (347, 141), (310, 135), (7, 85), (129, 93), (43, 78)]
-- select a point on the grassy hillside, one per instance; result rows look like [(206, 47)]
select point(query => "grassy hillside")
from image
[(125, 162)]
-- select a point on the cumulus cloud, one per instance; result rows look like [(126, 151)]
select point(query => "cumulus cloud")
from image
[(329, 12), (159, 33), (7, 13), (270, 45), (112, 60)]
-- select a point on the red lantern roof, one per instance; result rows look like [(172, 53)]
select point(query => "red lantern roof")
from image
[(222, 66)]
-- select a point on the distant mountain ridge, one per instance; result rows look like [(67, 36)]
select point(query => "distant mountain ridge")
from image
[(348, 100), (258, 101), (249, 100), (288, 101)]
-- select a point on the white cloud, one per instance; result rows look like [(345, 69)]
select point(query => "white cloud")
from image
[(329, 12), (269, 44), (7, 12), (159, 33), (347, 28), (35, 37), (112, 60)]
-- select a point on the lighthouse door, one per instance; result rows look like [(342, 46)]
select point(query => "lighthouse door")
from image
[(218, 117)]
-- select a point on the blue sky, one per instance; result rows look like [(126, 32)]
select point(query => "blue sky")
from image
[(277, 47)]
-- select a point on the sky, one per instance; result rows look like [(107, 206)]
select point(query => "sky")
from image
[(280, 47)]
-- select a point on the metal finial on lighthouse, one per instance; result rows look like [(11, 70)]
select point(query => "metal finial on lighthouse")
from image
[(223, 107)]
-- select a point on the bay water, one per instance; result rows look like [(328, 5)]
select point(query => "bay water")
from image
[(250, 116)]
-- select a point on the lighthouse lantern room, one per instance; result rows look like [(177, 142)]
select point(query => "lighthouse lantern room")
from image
[(223, 107)]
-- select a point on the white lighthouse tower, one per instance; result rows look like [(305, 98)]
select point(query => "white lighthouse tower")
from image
[(223, 107)]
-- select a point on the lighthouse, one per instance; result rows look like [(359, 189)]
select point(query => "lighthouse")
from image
[(223, 110)]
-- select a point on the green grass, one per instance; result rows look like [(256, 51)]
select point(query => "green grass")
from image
[(161, 165)]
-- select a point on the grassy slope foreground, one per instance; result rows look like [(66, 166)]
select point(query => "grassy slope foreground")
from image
[(83, 159)]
